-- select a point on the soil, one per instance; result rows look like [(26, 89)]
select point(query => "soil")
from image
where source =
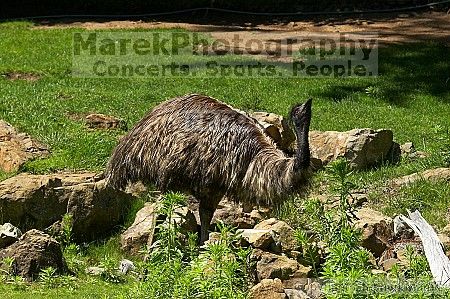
[(21, 76), (390, 28)]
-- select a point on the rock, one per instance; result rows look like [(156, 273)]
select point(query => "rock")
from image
[(283, 233), (95, 271), (141, 232), (101, 121), (277, 128), (378, 272), (377, 230), (33, 252), (314, 289), (17, 148), (437, 174), (214, 237), (268, 289), (137, 189), (363, 148), (407, 148), (8, 234), (232, 214), (296, 294), (389, 263), (126, 266), (37, 201), (258, 238), (185, 219), (270, 266), (256, 215)]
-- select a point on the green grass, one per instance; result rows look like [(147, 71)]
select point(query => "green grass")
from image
[(411, 97)]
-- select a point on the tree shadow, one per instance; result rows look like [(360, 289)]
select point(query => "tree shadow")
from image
[(404, 72)]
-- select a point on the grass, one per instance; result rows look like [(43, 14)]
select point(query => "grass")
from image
[(410, 96)]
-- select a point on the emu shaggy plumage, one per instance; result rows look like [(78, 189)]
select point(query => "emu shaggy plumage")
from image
[(199, 145)]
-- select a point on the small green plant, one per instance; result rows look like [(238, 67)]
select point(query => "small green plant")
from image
[(331, 223), (110, 270), (310, 250), (65, 234), (168, 245), (417, 264), (47, 277), (218, 270)]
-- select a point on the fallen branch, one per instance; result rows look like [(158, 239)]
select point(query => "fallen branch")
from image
[(434, 251)]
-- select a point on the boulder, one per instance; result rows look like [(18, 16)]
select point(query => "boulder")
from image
[(33, 252), (268, 289), (95, 271), (185, 219), (277, 128), (141, 232), (8, 234), (102, 121), (37, 201), (126, 266), (233, 214), (283, 234), (17, 148), (270, 266), (258, 238), (296, 294), (388, 264), (377, 230), (363, 148), (437, 174)]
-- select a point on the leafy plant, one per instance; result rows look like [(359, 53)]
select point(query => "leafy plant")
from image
[(111, 272), (168, 245), (65, 233), (332, 224), (47, 277)]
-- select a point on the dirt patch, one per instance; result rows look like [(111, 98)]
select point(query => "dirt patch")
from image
[(13, 76), (398, 28)]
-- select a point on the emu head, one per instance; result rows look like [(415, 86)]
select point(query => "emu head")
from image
[(301, 114)]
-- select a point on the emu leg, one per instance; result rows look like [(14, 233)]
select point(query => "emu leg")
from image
[(206, 210)]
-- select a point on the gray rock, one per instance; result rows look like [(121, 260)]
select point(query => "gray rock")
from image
[(296, 294), (37, 201), (95, 271), (232, 214), (141, 232), (283, 234), (270, 266), (8, 234), (126, 266), (33, 252), (277, 128)]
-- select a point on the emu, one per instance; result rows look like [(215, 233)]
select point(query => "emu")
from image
[(201, 146)]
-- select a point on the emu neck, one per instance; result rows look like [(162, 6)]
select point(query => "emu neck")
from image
[(302, 156)]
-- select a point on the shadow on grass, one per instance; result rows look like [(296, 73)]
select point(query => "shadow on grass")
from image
[(404, 72)]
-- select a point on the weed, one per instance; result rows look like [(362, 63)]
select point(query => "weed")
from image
[(47, 277)]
